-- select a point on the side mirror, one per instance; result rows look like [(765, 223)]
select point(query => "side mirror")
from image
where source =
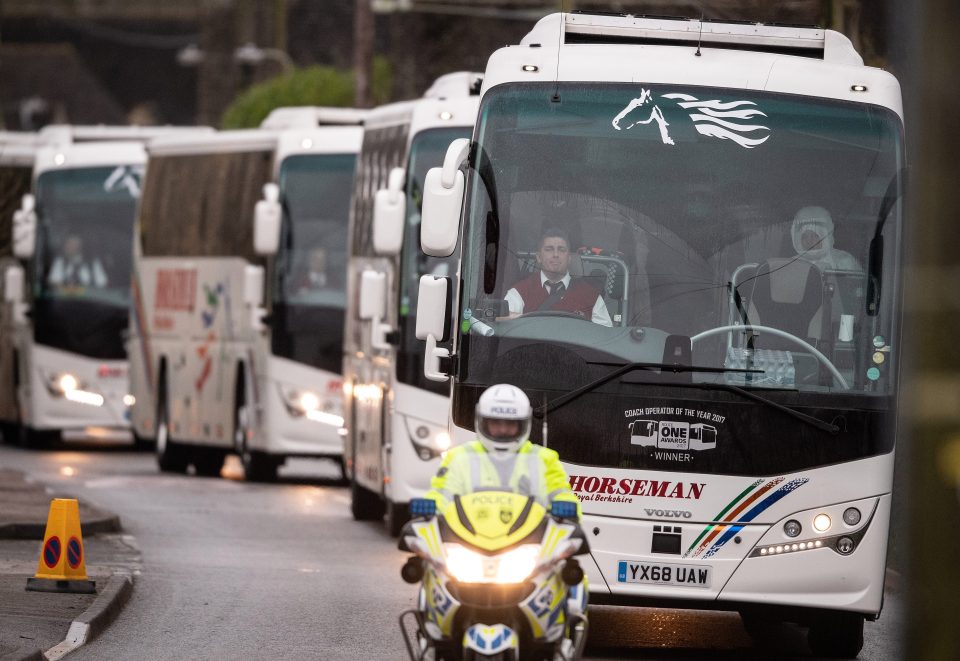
[(433, 306), (443, 202), (267, 215), (13, 284), (433, 314), (389, 209), (25, 228), (253, 295), (373, 306), (373, 286)]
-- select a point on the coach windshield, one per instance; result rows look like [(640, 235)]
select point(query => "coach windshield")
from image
[(724, 229), (83, 260), (310, 275)]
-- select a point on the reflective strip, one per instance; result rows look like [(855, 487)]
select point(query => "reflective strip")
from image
[(474, 460), (447, 497), (535, 474), (556, 492)]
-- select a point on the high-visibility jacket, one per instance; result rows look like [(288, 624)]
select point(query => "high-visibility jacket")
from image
[(533, 471)]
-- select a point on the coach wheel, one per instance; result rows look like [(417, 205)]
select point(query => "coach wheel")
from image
[(836, 636), (171, 456)]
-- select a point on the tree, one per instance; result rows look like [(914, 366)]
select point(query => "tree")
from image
[(310, 86)]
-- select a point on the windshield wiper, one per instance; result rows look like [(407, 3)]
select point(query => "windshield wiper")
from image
[(677, 368)]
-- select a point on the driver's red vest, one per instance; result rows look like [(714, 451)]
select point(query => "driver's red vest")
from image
[(579, 298)]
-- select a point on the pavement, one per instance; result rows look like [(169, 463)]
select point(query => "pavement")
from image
[(43, 625)]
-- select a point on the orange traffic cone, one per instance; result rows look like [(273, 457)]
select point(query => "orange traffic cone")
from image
[(62, 567)]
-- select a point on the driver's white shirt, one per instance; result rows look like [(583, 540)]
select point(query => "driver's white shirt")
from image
[(599, 316)]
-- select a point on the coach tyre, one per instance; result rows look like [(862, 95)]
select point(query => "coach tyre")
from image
[(397, 515), (257, 466), (171, 457), (836, 635)]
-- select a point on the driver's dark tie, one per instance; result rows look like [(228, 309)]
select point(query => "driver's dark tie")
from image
[(554, 287)]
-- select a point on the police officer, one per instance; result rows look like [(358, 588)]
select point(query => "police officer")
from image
[(502, 457)]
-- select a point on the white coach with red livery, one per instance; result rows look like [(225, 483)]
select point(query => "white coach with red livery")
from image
[(733, 194), (240, 291)]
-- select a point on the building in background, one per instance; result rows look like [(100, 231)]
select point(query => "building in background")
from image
[(177, 61)]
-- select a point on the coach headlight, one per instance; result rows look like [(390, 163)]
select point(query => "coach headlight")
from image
[(67, 382), (428, 440), (305, 403), (69, 386)]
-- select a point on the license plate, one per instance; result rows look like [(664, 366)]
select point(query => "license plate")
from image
[(695, 576)]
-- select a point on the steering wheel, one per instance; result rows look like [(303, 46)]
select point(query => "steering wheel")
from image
[(553, 313), (782, 334)]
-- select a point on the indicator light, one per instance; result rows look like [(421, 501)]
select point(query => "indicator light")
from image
[(851, 516), (531, 68), (792, 528)]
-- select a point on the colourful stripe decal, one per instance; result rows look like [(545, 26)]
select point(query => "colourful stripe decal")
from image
[(730, 534), (719, 516), (729, 517), (753, 497), (792, 485), (725, 532)]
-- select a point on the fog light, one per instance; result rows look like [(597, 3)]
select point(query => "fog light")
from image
[(845, 545), (851, 516), (792, 528), (821, 523)]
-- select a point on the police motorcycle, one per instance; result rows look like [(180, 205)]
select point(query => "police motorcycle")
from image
[(499, 579)]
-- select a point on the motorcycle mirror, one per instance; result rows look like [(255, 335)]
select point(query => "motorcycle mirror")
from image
[(412, 570), (572, 573)]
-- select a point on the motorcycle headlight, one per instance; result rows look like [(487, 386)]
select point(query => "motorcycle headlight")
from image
[(513, 566)]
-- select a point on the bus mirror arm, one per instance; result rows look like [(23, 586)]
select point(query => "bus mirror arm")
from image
[(432, 359), (380, 335)]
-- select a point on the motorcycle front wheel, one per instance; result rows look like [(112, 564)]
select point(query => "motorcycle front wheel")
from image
[(472, 655)]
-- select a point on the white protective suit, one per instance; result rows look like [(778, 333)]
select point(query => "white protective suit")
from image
[(823, 254)]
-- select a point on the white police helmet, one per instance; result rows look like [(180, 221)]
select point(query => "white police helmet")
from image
[(499, 403)]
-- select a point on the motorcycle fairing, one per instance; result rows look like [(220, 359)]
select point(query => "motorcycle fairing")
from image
[(491, 521), (488, 640)]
